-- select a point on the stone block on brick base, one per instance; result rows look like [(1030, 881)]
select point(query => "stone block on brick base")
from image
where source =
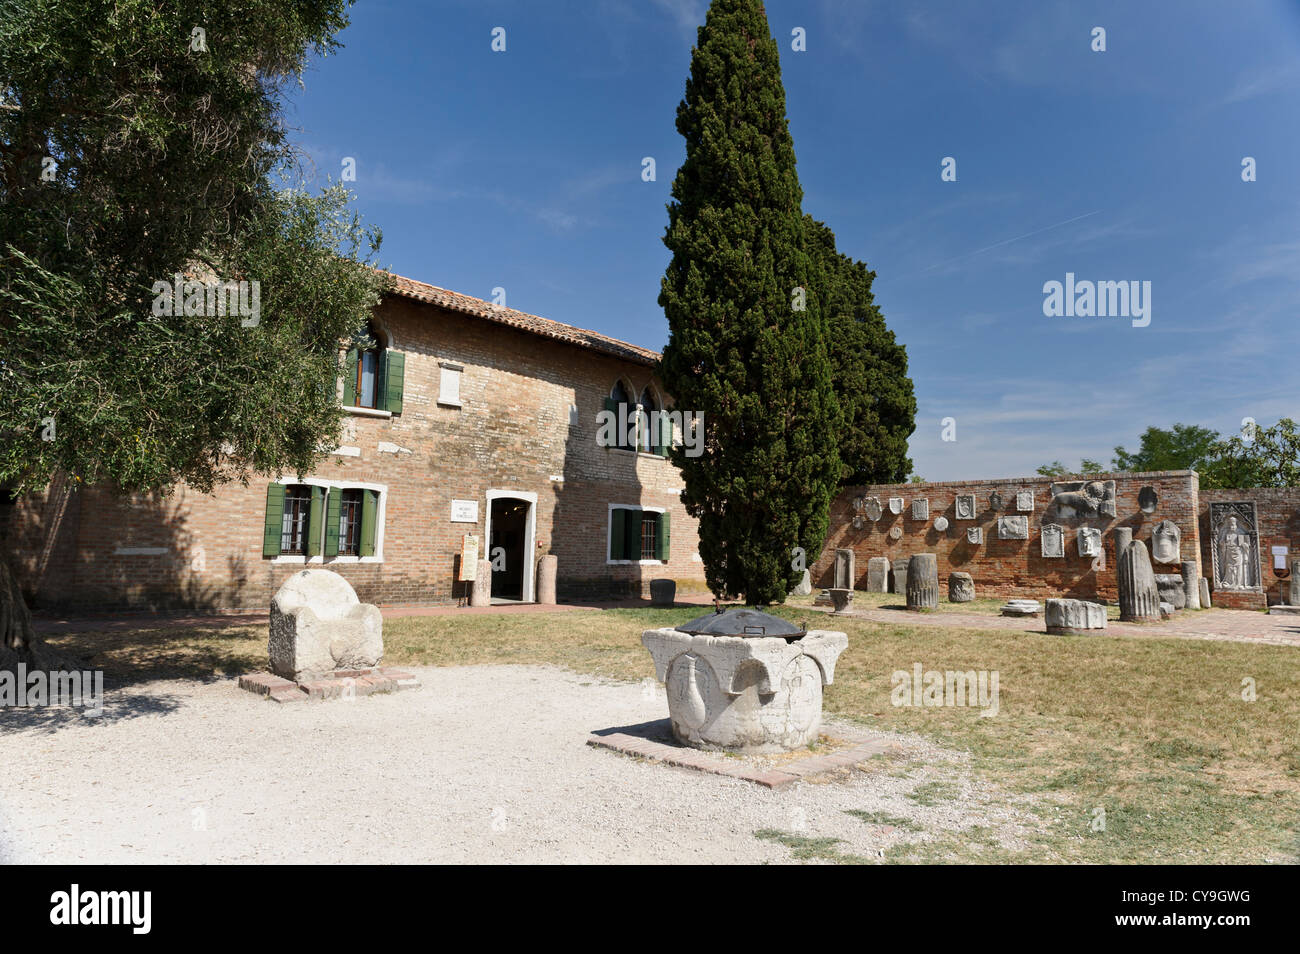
[(663, 592), (318, 626), (878, 575), (1074, 617), (961, 588)]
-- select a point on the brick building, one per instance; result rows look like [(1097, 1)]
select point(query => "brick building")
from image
[(469, 419)]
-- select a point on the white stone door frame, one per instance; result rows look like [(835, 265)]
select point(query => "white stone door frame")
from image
[(530, 536)]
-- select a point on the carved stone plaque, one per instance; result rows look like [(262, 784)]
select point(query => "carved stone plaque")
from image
[(921, 508), (941, 523), (895, 504), (872, 509), (859, 503), (1025, 501), (1089, 541), (1053, 539), (1165, 538), (1234, 546), (1083, 498), (965, 507), (995, 501), (1013, 528), (858, 522), (1147, 500), (895, 533), (974, 534)]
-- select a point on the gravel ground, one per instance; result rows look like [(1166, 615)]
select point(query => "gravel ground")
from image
[(481, 764)]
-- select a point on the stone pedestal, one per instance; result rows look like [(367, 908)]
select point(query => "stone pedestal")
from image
[(900, 575), (923, 582), (481, 595), (878, 575), (1123, 537), (841, 598), (1022, 608), (755, 694), (961, 588), (546, 569), (845, 569), (1139, 600), (1191, 588), (663, 592), (1205, 593), (1074, 617)]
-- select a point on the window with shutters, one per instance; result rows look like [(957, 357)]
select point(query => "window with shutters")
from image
[(322, 521), (373, 374), (350, 522), (620, 403), (295, 521), (638, 535)]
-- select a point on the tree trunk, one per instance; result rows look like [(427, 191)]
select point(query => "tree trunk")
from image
[(18, 640)]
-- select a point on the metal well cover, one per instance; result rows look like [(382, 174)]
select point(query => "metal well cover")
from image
[(743, 622)]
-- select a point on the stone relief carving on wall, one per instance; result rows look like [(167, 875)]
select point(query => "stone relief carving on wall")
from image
[(1053, 540), (872, 508), (1083, 498), (1234, 549), (1165, 539), (965, 507), (995, 501), (921, 509), (974, 534), (1089, 542), (895, 505), (1025, 500), (1013, 528)]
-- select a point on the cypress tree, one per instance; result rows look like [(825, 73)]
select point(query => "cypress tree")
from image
[(747, 344), (869, 368)]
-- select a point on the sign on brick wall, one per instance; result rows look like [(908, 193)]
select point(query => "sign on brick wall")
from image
[(464, 511)]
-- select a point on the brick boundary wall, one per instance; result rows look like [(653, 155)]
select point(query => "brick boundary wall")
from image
[(1012, 567), (1278, 510)]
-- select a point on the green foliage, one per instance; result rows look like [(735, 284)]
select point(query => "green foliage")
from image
[(1268, 457), (1057, 469), (166, 162), (869, 368), (740, 350), (1186, 447)]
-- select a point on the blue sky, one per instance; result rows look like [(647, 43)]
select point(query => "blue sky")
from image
[(522, 170)]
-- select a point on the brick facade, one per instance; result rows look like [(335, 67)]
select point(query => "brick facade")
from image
[(527, 426)]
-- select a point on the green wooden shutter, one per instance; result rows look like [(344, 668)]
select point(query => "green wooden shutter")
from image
[(632, 534), (369, 520), (665, 434), (333, 504), (350, 378), (662, 548), (274, 520), (394, 375), (616, 547), (314, 521)]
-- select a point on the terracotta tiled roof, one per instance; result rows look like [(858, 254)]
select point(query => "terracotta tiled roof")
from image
[(464, 304)]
